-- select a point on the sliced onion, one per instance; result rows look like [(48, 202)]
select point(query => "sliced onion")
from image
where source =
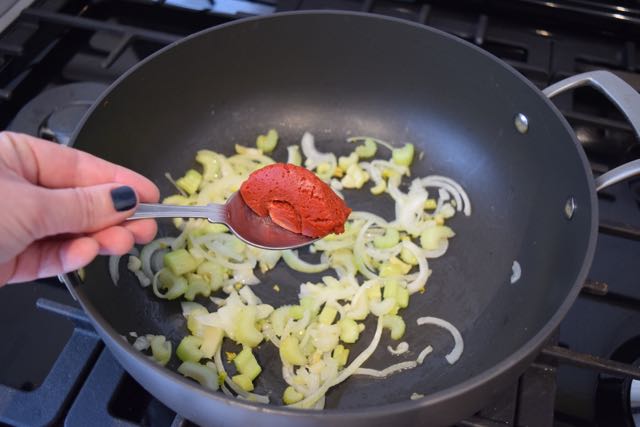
[(401, 348), (189, 307), (293, 261), (424, 353), (386, 371), (310, 400), (458, 348), (423, 273), (458, 193), (516, 272), (141, 343), (149, 250), (313, 156)]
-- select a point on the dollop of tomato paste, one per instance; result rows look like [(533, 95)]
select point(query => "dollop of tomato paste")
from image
[(295, 199)]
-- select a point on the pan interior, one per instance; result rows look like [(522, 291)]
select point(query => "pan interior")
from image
[(338, 76)]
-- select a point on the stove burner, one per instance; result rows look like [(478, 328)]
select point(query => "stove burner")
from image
[(54, 113)]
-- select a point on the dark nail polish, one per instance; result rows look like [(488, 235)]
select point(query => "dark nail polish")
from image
[(124, 198)]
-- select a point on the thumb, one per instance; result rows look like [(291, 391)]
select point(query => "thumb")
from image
[(83, 209)]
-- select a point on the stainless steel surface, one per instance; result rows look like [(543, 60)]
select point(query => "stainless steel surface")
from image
[(570, 208), (213, 212), (522, 123), (618, 174), (624, 97), (252, 229)]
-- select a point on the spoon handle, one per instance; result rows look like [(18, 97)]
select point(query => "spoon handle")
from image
[(213, 212)]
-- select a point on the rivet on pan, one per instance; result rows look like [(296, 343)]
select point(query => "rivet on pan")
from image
[(570, 208), (522, 123)]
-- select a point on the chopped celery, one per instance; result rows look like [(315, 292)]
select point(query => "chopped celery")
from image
[(197, 285), (293, 155), (160, 349), (391, 287), (327, 315), (207, 375), (394, 267), (279, 319), (340, 355), (211, 340), (290, 351), (395, 324), (267, 143), (349, 331), (291, 396), (345, 161), (355, 177), (403, 156), (247, 364), (245, 327), (373, 292), (175, 285), (180, 262), (402, 297), (210, 164), (189, 349), (432, 237), (190, 181), (367, 150), (390, 239), (407, 256), (296, 312), (430, 204), (243, 381)]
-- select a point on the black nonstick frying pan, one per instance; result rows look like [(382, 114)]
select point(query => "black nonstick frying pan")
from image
[(340, 74)]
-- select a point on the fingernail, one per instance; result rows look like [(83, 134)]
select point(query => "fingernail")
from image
[(124, 198)]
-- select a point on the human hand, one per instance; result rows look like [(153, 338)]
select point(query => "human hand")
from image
[(62, 207)]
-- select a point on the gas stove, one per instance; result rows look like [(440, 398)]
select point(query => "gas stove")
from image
[(58, 56)]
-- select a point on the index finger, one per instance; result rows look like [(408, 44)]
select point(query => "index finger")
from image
[(56, 166)]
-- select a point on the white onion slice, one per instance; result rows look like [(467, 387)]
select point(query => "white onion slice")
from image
[(401, 348), (423, 273), (516, 272), (455, 354), (423, 354), (386, 371), (141, 343), (149, 250), (293, 261)]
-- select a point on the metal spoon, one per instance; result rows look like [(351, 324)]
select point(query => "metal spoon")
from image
[(254, 230)]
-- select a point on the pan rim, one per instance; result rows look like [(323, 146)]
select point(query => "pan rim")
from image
[(527, 351)]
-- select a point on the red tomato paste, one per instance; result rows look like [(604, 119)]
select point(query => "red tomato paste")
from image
[(295, 199)]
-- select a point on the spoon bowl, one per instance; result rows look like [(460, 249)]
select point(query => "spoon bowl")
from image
[(255, 230)]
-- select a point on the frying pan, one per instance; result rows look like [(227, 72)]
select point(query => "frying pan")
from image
[(341, 74)]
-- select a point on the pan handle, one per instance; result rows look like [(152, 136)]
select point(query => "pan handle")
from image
[(624, 97)]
